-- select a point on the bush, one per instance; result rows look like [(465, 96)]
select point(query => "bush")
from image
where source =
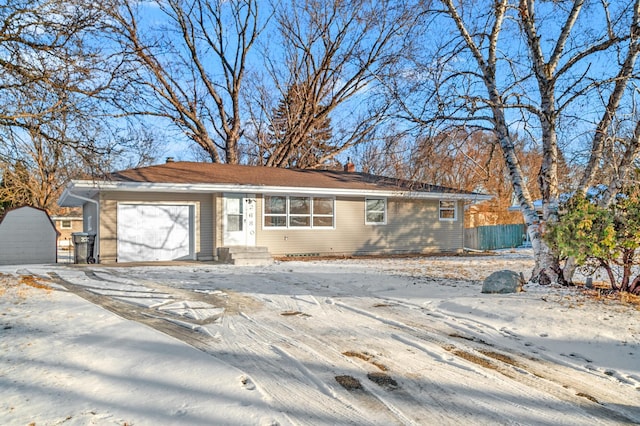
[(601, 237)]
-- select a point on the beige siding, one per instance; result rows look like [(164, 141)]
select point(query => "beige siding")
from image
[(412, 227), (204, 220), (218, 225), (65, 239)]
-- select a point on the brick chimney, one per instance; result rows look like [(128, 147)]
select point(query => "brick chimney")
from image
[(349, 167)]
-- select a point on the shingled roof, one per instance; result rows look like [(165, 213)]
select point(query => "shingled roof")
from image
[(184, 172), (194, 177)]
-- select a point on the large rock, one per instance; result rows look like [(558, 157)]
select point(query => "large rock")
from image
[(502, 282)]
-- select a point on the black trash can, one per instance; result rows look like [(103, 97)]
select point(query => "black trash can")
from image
[(91, 243), (81, 245)]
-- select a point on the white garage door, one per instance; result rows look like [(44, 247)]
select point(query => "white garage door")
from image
[(150, 232)]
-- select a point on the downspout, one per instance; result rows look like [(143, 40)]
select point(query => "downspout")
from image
[(96, 246)]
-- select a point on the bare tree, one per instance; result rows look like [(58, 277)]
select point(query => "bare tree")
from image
[(46, 62), (604, 144), (335, 53), (190, 67), (51, 76), (458, 158), (533, 75)]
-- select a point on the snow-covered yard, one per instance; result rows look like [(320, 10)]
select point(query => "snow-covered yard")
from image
[(367, 341)]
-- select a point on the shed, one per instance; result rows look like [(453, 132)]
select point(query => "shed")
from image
[(27, 235)]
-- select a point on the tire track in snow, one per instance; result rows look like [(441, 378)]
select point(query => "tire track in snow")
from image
[(553, 379), (287, 373)]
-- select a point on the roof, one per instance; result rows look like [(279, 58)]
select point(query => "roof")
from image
[(15, 210), (213, 177)]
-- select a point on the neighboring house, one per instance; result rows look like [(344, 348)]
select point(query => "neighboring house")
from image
[(67, 225), (187, 210), (27, 235)]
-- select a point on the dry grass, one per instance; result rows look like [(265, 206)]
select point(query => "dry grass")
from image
[(474, 359), (32, 281), (612, 296), (366, 357), (19, 286), (501, 357)]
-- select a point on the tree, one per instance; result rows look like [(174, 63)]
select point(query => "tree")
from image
[(52, 74), (307, 148), (462, 158), (334, 54), (187, 65), (530, 64), (598, 236)]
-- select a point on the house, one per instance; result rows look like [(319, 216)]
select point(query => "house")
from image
[(67, 225), (195, 211), (27, 236)]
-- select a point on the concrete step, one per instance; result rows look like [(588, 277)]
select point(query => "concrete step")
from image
[(245, 256)]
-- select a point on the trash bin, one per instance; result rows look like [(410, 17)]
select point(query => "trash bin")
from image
[(91, 258), (81, 245)]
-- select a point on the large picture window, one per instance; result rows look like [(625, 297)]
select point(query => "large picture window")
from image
[(376, 211), (298, 212), (447, 210)]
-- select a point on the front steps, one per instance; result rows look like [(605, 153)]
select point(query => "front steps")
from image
[(245, 256)]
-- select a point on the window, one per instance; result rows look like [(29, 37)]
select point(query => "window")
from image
[(322, 212), (65, 224), (275, 212), (234, 209), (447, 210), (376, 211), (298, 212)]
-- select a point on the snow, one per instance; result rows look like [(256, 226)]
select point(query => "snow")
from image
[(354, 341)]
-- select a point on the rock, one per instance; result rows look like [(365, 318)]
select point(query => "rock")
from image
[(502, 282)]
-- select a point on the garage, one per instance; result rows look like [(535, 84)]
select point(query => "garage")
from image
[(154, 232)]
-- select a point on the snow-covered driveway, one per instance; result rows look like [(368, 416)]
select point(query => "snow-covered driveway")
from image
[(378, 341)]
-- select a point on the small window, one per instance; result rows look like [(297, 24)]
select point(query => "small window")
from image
[(65, 224), (376, 211), (447, 210), (275, 212)]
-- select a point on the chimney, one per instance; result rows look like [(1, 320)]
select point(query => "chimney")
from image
[(349, 167), (170, 160)]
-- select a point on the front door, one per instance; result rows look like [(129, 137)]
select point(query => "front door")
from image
[(239, 224)]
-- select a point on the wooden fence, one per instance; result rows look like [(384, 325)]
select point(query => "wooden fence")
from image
[(494, 237)]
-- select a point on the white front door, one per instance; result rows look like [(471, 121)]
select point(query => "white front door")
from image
[(239, 224)]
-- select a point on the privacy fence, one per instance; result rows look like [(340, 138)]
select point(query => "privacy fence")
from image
[(494, 237)]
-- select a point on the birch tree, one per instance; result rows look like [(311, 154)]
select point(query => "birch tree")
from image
[(532, 67), (603, 144)]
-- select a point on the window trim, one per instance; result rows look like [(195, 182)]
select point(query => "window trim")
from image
[(287, 215), (384, 211), (62, 226), (448, 209)]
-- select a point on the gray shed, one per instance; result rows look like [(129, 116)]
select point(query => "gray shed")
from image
[(27, 235)]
